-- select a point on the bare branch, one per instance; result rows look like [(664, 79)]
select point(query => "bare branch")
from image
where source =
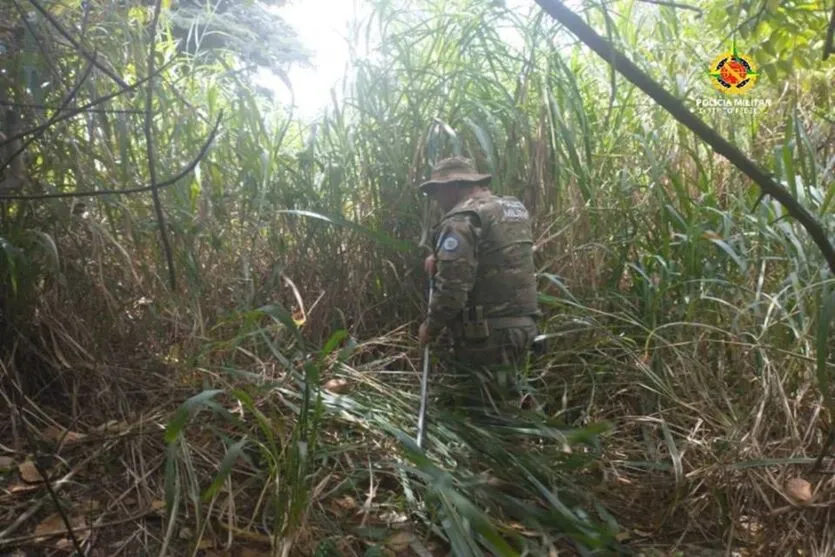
[(42, 470), (76, 111), (38, 41), (67, 100), (673, 5), (149, 144), (164, 184), (83, 51), (34, 106)]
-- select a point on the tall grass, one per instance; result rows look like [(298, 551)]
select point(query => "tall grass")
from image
[(692, 324)]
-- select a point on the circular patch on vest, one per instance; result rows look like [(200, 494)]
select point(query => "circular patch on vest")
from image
[(450, 243)]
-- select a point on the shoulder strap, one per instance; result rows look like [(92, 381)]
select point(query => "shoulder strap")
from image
[(472, 206)]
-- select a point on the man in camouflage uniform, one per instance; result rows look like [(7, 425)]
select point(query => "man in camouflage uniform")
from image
[(485, 285)]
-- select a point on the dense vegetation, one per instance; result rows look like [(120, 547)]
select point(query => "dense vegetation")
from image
[(259, 386)]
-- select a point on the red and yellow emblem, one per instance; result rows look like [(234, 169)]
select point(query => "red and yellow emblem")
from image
[(733, 73)]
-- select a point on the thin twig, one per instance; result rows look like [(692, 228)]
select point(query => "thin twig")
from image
[(83, 51), (85, 528), (67, 100), (64, 518), (47, 480), (41, 47), (18, 522), (673, 5), (76, 111), (85, 4), (149, 143), (182, 99), (56, 485), (34, 106), (165, 183), (756, 16)]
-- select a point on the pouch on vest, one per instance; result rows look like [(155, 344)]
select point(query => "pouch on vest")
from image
[(476, 328)]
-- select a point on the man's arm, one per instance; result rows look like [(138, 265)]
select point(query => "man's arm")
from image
[(456, 263)]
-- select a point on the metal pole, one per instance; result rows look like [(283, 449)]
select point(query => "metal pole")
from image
[(424, 382)]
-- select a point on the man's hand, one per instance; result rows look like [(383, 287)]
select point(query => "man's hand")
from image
[(423, 334), (429, 265)]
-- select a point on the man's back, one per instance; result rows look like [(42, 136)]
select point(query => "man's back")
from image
[(505, 283), (484, 280)]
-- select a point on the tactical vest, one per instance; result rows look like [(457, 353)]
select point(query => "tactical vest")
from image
[(505, 284)]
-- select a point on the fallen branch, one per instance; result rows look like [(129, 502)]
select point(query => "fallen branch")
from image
[(56, 486), (19, 540)]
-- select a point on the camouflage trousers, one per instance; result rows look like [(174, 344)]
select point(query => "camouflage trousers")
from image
[(488, 373)]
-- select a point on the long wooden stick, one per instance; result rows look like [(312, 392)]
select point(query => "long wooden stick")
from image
[(424, 383)]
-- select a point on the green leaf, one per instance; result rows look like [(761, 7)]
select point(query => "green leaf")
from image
[(830, 194), (176, 425), (788, 159), (482, 525), (273, 348), (229, 459), (333, 342), (172, 479), (374, 551), (456, 141), (339, 221), (770, 71), (724, 246), (484, 141), (280, 313), (48, 244), (270, 432), (556, 281), (785, 66)]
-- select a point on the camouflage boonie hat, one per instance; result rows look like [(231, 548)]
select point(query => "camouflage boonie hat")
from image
[(453, 169)]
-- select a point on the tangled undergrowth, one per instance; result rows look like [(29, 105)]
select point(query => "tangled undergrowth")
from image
[(701, 437), (267, 404)]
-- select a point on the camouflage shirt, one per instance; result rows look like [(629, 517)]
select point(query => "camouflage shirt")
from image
[(484, 254)]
